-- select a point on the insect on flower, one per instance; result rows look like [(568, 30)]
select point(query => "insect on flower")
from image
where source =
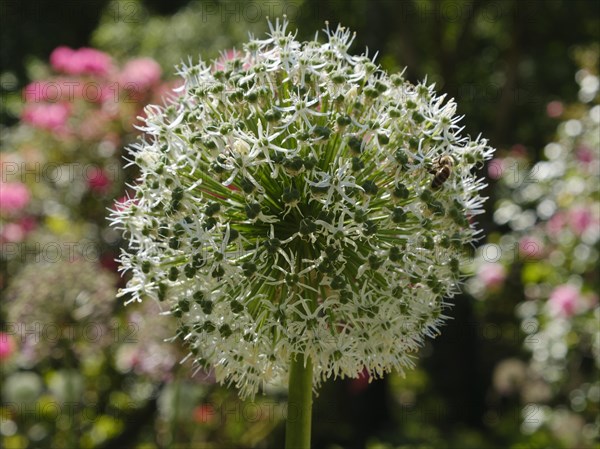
[(441, 169)]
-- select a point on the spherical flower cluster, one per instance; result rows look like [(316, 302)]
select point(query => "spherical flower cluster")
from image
[(53, 306), (301, 201)]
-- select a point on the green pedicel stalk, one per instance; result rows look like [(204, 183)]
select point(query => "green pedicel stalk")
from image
[(298, 425)]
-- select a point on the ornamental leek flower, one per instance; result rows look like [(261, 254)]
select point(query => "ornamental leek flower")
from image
[(301, 202), (61, 309)]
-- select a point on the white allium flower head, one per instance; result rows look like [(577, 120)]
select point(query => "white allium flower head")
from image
[(301, 201)]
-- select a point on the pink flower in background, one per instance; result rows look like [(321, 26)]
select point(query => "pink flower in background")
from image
[(168, 89), (61, 58), (14, 196), (40, 91), (530, 247), (124, 202), (584, 154), (53, 90), (17, 231), (564, 300), (84, 61), (50, 116), (94, 125), (554, 109), (91, 61), (143, 73), (7, 345), (580, 219), (492, 274), (97, 180), (496, 168), (556, 224), (11, 232)]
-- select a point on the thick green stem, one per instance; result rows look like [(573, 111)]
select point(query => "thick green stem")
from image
[(297, 430)]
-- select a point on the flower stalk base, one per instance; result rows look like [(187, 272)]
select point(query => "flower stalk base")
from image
[(297, 431)]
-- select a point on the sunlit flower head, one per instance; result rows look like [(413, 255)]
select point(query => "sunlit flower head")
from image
[(301, 201)]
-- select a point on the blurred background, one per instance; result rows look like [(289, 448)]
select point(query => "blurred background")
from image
[(516, 367)]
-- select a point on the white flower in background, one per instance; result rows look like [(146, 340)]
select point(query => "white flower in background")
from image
[(552, 208), (304, 202)]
